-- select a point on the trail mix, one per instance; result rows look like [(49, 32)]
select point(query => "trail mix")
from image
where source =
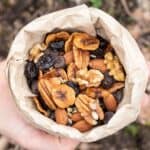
[(77, 79)]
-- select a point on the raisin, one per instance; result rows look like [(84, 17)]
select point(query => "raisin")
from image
[(31, 71), (75, 86), (45, 62), (34, 87), (118, 95), (98, 53), (57, 45), (59, 62), (103, 43), (108, 115), (108, 81)]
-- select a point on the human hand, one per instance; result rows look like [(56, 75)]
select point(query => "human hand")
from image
[(16, 128)]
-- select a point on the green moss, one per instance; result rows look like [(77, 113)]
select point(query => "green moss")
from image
[(96, 3)]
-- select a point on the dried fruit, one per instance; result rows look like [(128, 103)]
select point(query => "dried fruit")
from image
[(108, 116), (108, 81), (82, 126), (81, 58), (39, 107), (85, 42), (109, 101), (56, 37), (31, 71), (63, 96), (98, 64), (98, 53), (71, 71), (76, 117), (59, 62), (45, 62), (75, 86), (34, 87), (57, 45), (61, 116), (118, 95), (116, 86), (69, 57), (113, 64), (44, 87)]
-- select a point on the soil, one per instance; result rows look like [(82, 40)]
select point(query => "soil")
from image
[(14, 14)]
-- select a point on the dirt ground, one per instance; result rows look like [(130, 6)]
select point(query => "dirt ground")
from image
[(134, 15)]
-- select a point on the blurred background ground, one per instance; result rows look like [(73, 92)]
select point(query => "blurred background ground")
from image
[(133, 14)]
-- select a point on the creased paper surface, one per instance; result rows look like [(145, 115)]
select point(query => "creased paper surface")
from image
[(92, 21)]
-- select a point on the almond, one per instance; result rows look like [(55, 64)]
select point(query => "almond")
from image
[(82, 126), (61, 116), (98, 64), (109, 101), (76, 117)]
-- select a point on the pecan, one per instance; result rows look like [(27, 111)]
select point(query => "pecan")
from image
[(61, 116), (82, 103), (93, 92), (82, 126), (98, 64), (56, 73), (36, 51), (39, 107), (81, 58), (85, 42)]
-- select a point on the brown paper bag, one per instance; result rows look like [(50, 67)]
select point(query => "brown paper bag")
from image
[(92, 21)]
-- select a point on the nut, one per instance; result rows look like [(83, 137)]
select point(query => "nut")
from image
[(99, 111), (98, 64), (63, 96), (69, 57), (76, 117), (61, 116), (36, 50), (81, 58), (85, 42), (109, 101), (39, 107), (56, 36), (93, 92), (91, 78), (56, 73), (82, 126), (113, 64)]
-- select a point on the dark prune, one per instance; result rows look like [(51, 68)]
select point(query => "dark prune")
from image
[(103, 43), (57, 45), (59, 62), (75, 86), (118, 95), (34, 87), (31, 71), (108, 115), (52, 115), (45, 62), (98, 53), (53, 53), (108, 81)]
